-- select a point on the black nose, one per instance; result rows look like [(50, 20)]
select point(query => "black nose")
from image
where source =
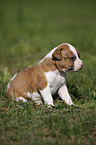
[(82, 65)]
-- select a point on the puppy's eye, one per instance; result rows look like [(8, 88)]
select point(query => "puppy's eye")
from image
[(72, 58)]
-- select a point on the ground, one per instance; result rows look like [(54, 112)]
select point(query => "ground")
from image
[(28, 31)]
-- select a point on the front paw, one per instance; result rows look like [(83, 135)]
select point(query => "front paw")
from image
[(50, 106), (70, 103)]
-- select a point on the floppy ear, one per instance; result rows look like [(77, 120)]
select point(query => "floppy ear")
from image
[(57, 54)]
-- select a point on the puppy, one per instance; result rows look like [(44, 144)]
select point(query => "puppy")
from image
[(44, 79)]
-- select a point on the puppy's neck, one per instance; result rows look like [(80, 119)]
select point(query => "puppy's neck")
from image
[(48, 65)]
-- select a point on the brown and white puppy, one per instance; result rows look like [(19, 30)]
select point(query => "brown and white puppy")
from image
[(44, 79)]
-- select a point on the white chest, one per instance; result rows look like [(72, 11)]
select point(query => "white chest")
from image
[(55, 80)]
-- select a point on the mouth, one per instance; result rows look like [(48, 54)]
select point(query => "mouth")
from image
[(70, 69)]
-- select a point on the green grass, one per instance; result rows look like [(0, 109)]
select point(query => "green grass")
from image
[(28, 31)]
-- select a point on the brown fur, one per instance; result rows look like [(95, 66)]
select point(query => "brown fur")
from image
[(63, 53), (28, 80), (48, 65)]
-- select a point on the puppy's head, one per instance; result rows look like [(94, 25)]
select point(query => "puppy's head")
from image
[(67, 58)]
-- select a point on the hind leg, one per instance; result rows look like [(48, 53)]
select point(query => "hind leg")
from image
[(15, 95), (35, 97), (19, 99)]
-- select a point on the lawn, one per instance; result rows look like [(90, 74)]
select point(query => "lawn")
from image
[(28, 31)]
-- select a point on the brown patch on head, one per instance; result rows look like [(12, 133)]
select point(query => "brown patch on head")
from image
[(61, 51), (62, 57)]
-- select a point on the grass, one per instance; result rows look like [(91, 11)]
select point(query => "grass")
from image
[(28, 31)]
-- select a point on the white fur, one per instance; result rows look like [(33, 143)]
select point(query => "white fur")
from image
[(35, 97), (73, 50), (78, 64), (20, 99), (55, 79), (47, 97), (63, 93), (8, 86)]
